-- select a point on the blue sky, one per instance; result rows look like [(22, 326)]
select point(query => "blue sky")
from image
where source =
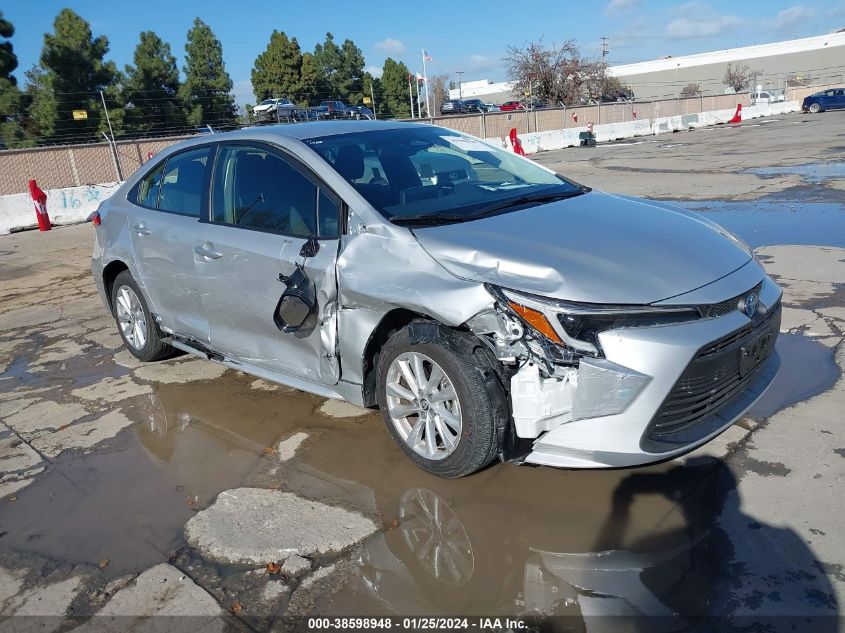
[(460, 35)]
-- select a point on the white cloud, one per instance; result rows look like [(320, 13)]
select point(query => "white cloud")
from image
[(479, 62), (791, 17), (615, 7), (375, 71), (701, 25), (391, 46)]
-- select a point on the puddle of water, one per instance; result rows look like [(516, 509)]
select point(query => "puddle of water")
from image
[(538, 541), (768, 223), (815, 173), (794, 383), (130, 500), (508, 540)]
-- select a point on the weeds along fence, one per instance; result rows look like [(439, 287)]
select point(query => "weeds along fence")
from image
[(75, 165)]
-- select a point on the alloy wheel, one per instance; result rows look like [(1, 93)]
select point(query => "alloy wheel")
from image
[(423, 405), (131, 317)]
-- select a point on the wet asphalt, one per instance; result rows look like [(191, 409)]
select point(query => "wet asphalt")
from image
[(694, 537)]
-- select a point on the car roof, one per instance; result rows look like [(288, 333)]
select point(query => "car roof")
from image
[(300, 131)]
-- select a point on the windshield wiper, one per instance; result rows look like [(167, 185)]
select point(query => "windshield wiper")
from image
[(429, 218), (538, 198)]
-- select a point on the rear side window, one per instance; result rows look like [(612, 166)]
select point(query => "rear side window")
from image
[(147, 192), (183, 182), (255, 188)]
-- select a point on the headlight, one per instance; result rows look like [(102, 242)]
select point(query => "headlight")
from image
[(577, 325)]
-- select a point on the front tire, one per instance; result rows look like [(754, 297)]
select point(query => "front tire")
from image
[(441, 398), (135, 323), (815, 108)]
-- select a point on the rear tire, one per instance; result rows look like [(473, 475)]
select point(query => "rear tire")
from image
[(468, 410), (136, 324)]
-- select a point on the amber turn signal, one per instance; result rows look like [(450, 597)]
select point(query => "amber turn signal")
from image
[(537, 320)]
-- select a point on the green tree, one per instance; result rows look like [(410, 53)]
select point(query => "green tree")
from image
[(11, 134), (8, 59), (277, 71), (350, 76), (309, 81), (327, 58), (394, 89), (71, 73), (207, 88), (152, 89), (340, 70)]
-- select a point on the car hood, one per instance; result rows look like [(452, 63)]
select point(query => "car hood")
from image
[(594, 248)]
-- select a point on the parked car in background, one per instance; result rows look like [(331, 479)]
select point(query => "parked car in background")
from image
[(830, 99), (429, 274), (766, 96), (475, 105), (492, 107), (331, 109), (274, 110), (454, 106), (359, 112), (509, 106)]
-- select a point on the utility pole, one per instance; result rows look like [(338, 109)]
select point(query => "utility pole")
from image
[(112, 144), (460, 74), (604, 51)]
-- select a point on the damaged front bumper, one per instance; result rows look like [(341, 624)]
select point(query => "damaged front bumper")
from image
[(655, 393)]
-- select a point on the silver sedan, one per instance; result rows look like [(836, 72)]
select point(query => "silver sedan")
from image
[(489, 307)]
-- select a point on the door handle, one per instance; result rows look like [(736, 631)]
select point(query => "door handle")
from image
[(207, 251), (140, 229)]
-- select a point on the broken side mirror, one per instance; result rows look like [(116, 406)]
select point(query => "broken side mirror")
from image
[(297, 302)]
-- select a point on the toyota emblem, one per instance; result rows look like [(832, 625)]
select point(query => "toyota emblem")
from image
[(750, 307)]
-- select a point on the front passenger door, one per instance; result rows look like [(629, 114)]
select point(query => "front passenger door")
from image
[(264, 207)]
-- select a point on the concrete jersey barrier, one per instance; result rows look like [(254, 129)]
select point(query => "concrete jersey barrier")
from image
[(68, 205)]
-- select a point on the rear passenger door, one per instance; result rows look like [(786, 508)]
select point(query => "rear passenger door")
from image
[(839, 98), (168, 202), (264, 207)]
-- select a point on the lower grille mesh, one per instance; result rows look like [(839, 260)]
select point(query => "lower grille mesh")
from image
[(709, 382)]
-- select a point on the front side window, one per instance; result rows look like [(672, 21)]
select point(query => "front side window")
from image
[(183, 182), (413, 171), (256, 188)]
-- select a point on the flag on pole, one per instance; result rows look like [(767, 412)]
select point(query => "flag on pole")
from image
[(426, 56), (420, 79)]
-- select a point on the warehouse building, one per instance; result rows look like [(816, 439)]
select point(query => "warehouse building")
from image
[(810, 61)]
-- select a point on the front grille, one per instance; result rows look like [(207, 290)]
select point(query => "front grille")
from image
[(712, 310), (709, 383)]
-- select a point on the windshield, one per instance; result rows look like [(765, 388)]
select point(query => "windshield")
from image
[(419, 171), (267, 102)]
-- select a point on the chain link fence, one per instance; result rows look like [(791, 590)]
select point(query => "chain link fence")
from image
[(75, 165)]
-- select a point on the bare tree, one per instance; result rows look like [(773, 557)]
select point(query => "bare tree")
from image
[(691, 90), (559, 74), (550, 74), (439, 91), (738, 77)]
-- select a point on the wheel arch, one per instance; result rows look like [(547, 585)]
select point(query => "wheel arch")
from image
[(391, 322), (110, 273)]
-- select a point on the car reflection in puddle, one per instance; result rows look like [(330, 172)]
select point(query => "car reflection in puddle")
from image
[(703, 558), (652, 542)]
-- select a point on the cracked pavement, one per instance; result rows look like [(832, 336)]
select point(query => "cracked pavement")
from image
[(131, 490)]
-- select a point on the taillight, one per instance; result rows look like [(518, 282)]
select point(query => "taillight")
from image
[(95, 218)]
